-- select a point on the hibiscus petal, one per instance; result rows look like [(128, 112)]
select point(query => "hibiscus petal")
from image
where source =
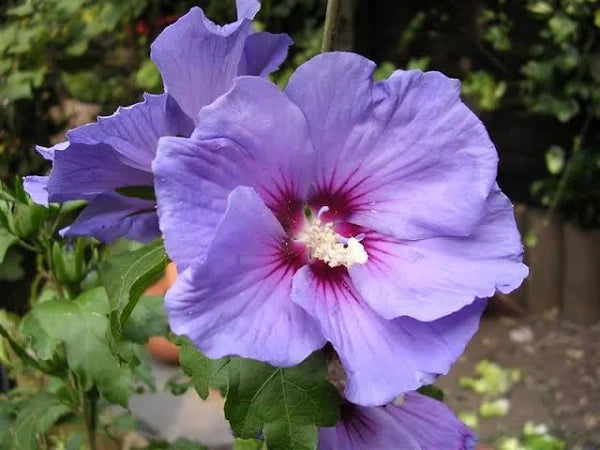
[(37, 188), (263, 53), (237, 300), (133, 131), (409, 158), (431, 278), (420, 423), (82, 171), (110, 216), (239, 142), (199, 60), (382, 358)]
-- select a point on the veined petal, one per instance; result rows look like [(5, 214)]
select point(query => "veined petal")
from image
[(263, 53), (82, 171), (431, 278), (110, 216), (237, 300), (252, 136), (199, 60), (419, 423), (405, 154), (133, 131), (382, 358)]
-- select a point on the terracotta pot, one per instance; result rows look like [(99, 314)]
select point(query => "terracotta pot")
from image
[(161, 348)]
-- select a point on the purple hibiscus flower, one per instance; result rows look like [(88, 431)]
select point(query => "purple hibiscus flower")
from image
[(344, 210), (108, 163), (416, 422)]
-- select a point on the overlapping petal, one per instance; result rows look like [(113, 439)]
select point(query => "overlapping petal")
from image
[(133, 132), (419, 423), (382, 358), (409, 158), (199, 60), (252, 136), (237, 300), (430, 278), (110, 216)]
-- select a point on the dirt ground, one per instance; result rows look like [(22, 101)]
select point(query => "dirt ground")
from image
[(560, 384)]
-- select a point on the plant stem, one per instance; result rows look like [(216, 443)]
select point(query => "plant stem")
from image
[(332, 22), (88, 407)]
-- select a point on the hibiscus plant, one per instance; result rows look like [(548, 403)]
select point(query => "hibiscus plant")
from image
[(336, 242)]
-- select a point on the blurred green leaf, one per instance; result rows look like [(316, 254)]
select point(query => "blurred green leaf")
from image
[(555, 159), (11, 269), (148, 77), (147, 319), (6, 240), (36, 415), (540, 7)]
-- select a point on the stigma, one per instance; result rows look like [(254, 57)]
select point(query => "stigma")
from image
[(330, 247)]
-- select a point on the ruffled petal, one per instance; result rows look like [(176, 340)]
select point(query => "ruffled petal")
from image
[(263, 54), (408, 158), (252, 136), (431, 278), (382, 358), (110, 216), (419, 423), (199, 60), (133, 131), (237, 300)]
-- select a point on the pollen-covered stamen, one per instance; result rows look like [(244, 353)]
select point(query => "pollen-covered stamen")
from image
[(328, 246)]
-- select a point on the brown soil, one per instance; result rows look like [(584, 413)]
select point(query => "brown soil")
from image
[(560, 384)]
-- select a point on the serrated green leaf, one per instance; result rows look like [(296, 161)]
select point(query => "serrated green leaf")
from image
[(195, 365), (36, 415), (290, 403), (80, 326), (127, 275), (6, 240)]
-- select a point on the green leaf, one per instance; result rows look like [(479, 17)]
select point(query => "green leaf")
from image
[(247, 444), (148, 77), (36, 415), (11, 269), (290, 403), (147, 319), (143, 192), (432, 391), (195, 365), (555, 159), (80, 327), (127, 275), (597, 17), (6, 240)]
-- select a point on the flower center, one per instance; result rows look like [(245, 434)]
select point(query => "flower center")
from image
[(330, 247)]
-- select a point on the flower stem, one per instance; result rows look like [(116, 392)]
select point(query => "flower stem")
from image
[(332, 22)]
